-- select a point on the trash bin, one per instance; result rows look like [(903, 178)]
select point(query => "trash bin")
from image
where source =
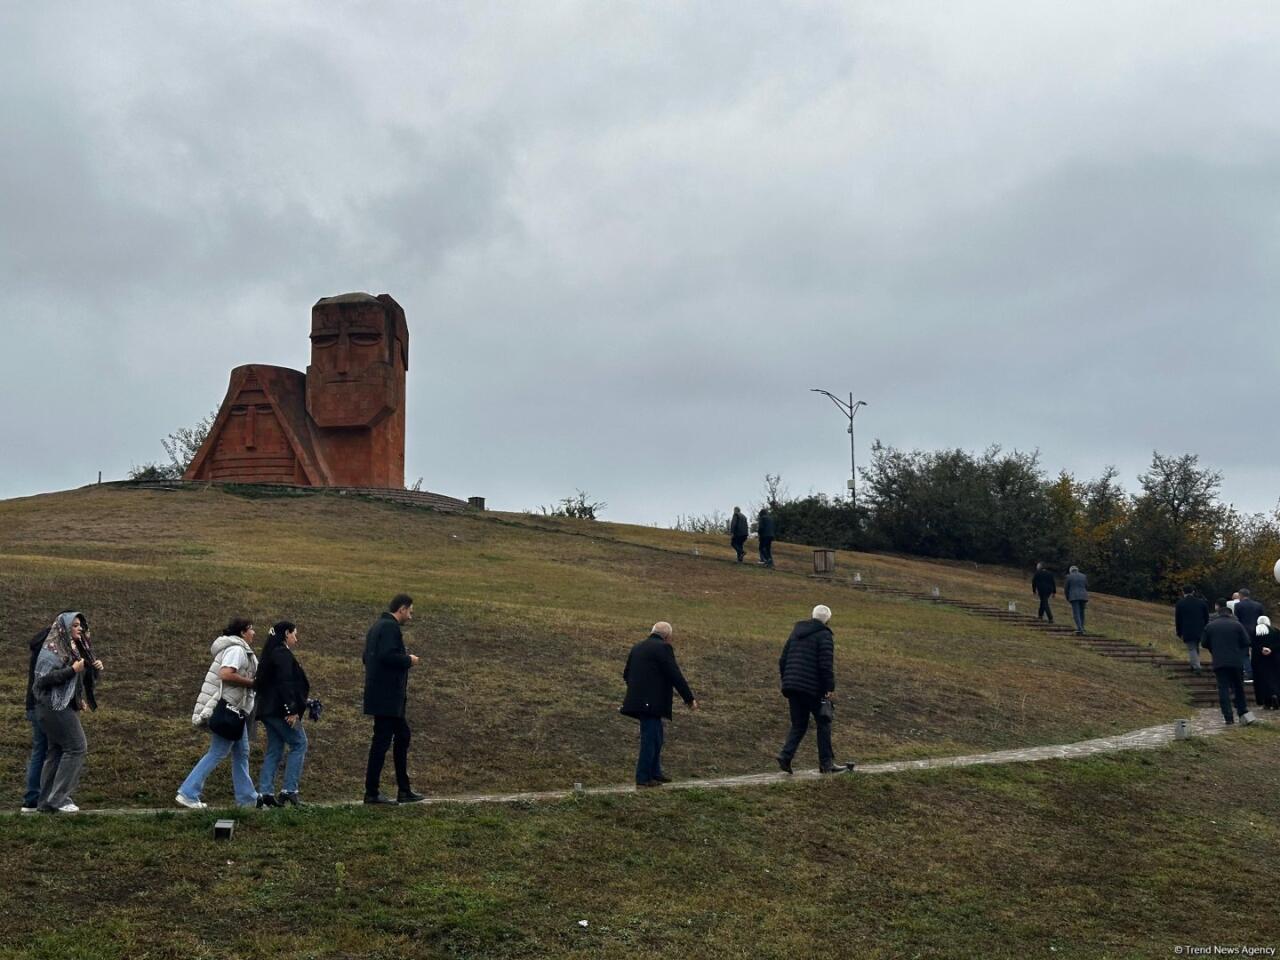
[(824, 561)]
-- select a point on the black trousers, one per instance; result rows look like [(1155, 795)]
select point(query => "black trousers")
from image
[(386, 731), (766, 550), (1044, 610), (802, 708), (1231, 683), (737, 547)]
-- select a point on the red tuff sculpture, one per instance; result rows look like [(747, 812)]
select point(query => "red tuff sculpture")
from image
[(341, 424)]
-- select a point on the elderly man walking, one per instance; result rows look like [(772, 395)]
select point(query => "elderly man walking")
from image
[(1190, 617), (1044, 586), (1226, 639), (651, 674), (1076, 587), (808, 679), (739, 530)]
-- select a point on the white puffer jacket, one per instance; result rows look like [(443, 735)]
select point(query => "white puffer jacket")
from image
[(213, 689)]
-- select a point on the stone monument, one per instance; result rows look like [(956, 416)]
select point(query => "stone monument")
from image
[(341, 424)]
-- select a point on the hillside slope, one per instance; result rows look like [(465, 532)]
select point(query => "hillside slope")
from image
[(523, 624)]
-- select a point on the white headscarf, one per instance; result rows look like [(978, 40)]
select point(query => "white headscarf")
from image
[(1264, 626)]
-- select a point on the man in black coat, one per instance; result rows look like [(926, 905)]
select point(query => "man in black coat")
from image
[(738, 531), (386, 680), (808, 679), (1044, 585), (650, 674), (1248, 611), (1190, 617), (1225, 638), (765, 529)]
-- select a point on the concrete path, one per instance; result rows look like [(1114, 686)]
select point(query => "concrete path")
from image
[(1204, 723)]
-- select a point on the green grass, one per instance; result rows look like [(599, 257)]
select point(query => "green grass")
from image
[(1117, 856)]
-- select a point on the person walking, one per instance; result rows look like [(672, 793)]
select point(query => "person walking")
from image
[(1190, 616), (39, 742), (806, 670), (62, 685), (765, 529), (1076, 587), (386, 685), (1225, 638), (1044, 585), (283, 690), (1247, 611), (224, 706), (651, 673), (1266, 664), (739, 529)]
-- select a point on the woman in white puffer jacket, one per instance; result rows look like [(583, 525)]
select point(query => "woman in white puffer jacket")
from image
[(229, 678)]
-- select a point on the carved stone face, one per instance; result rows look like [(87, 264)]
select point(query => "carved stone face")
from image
[(252, 443), (356, 376)]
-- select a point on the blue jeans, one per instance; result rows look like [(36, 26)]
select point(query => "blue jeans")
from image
[(1077, 613), (39, 749), (649, 766), (280, 735), (219, 747)]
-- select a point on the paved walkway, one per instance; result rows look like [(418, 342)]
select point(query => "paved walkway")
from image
[(1204, 723)]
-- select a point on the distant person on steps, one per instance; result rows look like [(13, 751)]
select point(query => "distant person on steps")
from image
[(1247, 611), (1076, 587), (1229, 644), (1266, 665), (651, 673), (386, 683), (1190, 617), (739, 530), (807, 676), (1044, 585)]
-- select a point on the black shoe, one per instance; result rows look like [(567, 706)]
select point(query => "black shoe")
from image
[(784, 763), (662, 778), (379, 798), (1229, 723), (837, 768), (290, 799), (408, 796), (266, 800), (648, 783)]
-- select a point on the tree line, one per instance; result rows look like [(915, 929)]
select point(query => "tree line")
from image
[(1002, 507)]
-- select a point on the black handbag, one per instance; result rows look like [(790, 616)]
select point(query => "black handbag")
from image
[(826, 710), (226, 721)]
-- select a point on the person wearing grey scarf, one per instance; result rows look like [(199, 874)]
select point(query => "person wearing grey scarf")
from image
[(59, 691)]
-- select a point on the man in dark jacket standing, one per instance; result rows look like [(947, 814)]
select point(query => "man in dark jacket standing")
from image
[(1247, 611), (386, 682), (1190, 617), (650, 675), (1076, 587), (1225, 638), (738, 530), (765, 529), (807, 672), (1044, 585)]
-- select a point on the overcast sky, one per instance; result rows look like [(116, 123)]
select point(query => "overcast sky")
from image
[(630, 237)]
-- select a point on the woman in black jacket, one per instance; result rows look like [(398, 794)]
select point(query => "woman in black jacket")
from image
[(282, 697)]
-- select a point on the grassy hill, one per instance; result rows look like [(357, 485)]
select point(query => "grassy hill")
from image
[(523, 624)]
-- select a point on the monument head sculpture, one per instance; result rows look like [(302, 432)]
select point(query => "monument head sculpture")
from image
[(359, 356)]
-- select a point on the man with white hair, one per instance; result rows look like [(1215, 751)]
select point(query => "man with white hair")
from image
[(651, 674), (807, 672), (1076, 587)]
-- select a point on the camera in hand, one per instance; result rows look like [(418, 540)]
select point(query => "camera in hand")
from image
[(314, 709)]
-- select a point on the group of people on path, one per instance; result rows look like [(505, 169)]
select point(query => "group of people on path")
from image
[(740, 530), (241, 688), (1244, 645), (1076, 587)]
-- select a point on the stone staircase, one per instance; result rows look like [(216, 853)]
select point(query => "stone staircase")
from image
[(1201, 689)]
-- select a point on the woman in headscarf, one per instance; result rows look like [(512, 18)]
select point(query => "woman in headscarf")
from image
[(62, 685), (1266, 664), (282, 697)]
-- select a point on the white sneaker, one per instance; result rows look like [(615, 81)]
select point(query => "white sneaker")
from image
[(189, 804), (29, 810), (1248, 717), (68, 807)]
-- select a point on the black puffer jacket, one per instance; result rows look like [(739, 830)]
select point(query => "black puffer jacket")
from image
[(765, 525), (282, 684), (650, 675), (807, 664)]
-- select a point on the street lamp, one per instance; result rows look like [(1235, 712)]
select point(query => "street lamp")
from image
[(850, 410)]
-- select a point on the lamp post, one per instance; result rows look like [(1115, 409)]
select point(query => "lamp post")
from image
[(850, 410)]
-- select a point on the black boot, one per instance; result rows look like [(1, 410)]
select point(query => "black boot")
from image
[(290, 800), (266, 800)]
